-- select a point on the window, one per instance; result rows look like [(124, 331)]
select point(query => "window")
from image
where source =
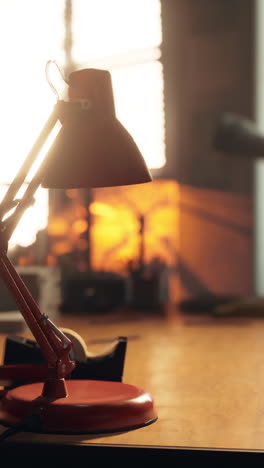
[(123, 36), (31, 33)]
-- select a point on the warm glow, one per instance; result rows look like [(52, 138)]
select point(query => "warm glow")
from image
[(101, 209), (61, 248), (115, 228), (116, 238), (80, 226), (58, 226)]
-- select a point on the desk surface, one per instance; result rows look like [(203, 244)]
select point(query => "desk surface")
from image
[(206, 375)]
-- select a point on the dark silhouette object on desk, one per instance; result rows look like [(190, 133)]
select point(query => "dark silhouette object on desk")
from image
[(91, 291), (106, 365)]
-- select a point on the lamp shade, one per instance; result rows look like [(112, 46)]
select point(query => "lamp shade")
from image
[(92, 148)]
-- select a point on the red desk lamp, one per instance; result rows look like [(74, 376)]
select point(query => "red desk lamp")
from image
[(92, 149)]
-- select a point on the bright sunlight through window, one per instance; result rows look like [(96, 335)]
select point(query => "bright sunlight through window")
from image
[(31, 32), (123, 36)]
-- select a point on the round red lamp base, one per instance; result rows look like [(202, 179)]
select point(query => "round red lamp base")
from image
[(91, 406)]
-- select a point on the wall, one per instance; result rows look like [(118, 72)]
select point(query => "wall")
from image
[(208, 56), (259, 166)]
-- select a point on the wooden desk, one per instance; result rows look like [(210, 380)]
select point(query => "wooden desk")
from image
[(206, 375)]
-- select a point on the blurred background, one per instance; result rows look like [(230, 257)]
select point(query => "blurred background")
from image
[(198, 229)]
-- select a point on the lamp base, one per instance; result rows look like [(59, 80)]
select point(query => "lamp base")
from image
[(91, 406)]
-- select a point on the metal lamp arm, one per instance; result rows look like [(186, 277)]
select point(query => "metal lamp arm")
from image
[(53, 343), (17, 182)]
